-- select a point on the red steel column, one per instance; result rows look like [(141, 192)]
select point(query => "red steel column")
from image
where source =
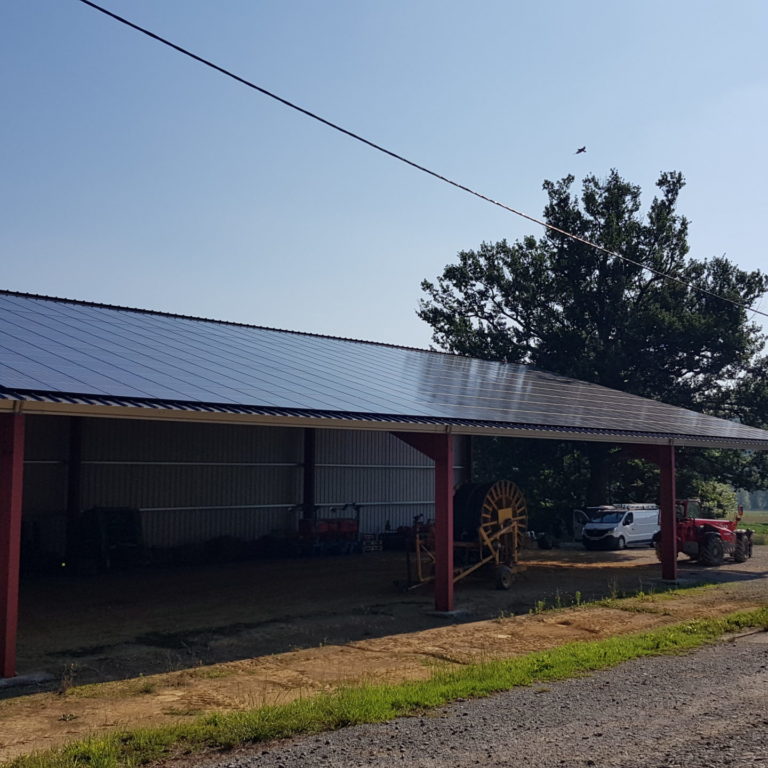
[(667, 506), (11, 478), (443, 522), (439, 448)]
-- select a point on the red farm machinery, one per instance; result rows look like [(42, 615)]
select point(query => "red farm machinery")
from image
[(708, 540)]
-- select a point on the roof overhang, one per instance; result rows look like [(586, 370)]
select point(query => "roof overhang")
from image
[(49, 404)]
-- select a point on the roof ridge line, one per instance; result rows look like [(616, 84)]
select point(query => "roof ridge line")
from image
[(160, 313)]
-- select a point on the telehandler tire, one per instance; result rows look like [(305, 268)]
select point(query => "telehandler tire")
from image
[(712, 551), (743, 548)]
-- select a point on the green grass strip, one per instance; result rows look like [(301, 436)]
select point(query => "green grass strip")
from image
[(377, 703)]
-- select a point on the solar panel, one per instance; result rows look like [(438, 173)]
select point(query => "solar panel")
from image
[(61, 347)]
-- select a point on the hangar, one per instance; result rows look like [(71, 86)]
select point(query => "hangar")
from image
[(209, 427)]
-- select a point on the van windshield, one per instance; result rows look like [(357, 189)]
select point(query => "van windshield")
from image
[(609, 517)]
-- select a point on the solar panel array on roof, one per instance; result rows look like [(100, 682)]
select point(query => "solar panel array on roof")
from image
[(62, 347)]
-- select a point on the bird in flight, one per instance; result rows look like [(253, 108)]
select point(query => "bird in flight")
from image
[(580, 150)]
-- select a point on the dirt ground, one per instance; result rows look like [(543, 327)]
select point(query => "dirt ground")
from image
[(178, 643), (678, 711)]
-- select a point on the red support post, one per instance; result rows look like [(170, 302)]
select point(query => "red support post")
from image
[(439, 448), (667, 506), (11, 479), (664, 456), (443, 523)]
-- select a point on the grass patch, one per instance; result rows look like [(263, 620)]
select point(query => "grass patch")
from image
[(377, 703), (666, 594), (643, 607), (623, 599), (758, 522), (213, 673), (654, 602), (182, 711), (117, 689), (642, 601), (123, 689)]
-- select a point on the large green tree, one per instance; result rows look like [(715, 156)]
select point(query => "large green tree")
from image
[(570, 308)]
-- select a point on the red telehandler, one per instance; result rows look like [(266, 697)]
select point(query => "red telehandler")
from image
[(708, 540)]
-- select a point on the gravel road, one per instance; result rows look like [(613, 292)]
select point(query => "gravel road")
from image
[(701, 710)]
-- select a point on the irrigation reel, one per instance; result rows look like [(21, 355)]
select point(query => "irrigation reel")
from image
[(490, 523)]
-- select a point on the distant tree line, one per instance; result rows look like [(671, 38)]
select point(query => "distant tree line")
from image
[(753, 499)]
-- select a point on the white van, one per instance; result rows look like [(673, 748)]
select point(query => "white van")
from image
[(620, 526)]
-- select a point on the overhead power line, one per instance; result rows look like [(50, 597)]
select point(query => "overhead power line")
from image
[(413, 164)]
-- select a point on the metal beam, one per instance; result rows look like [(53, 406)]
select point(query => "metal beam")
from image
[(74, 464), (309, 467), (163, 412), (443, 455), (11, 492), (439, 448), (664, 457), (667, 505)]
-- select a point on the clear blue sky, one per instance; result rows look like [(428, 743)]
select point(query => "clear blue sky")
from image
[(132, 175)]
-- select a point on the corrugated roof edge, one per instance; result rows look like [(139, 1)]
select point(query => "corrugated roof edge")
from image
[(26, 395), (159, 313)]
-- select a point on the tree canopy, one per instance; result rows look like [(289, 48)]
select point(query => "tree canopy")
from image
[(569, 308)]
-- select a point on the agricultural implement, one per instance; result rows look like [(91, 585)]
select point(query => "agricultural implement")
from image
[(331, 531), (490, 522), (708, 540)]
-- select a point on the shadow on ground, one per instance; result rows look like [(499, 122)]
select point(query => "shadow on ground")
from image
[(124, 625)]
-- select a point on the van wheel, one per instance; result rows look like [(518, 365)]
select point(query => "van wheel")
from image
[(621, 543)]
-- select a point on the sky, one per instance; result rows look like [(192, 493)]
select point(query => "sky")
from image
[(131, 175)]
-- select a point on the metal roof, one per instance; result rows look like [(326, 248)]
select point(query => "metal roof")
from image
[(91, 356)]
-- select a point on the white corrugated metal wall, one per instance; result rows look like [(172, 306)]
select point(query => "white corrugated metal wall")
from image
[(195, 482), (45, 480), (391, 481)]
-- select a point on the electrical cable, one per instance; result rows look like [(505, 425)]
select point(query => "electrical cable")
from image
[(411, 163)]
